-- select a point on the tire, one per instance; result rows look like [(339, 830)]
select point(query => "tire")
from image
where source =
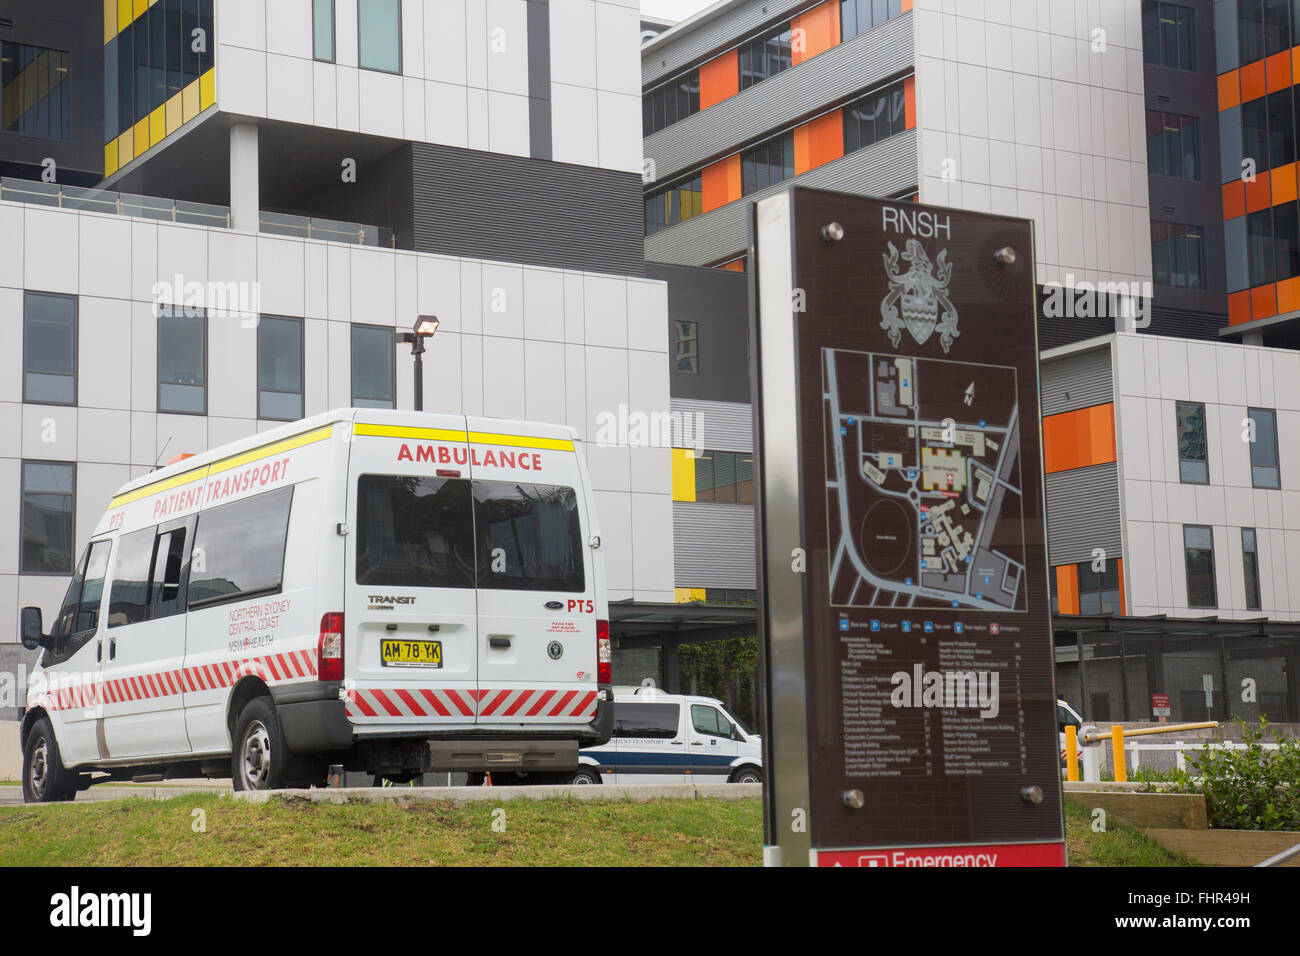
[(259, 757), (44, 778), (747, 774), (585, 776)]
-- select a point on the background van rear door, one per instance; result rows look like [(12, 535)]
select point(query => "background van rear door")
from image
[(536, 597)]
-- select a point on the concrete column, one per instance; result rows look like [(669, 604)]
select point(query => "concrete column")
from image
[(245, 201)]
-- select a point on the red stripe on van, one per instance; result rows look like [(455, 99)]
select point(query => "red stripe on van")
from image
[(387, 704), (523, 699), (411, 702), (465, 709), (360, 701), (309, 662), (494, 703), (564, 702), (270, 662), (435, 703), (587, 701), (293, 660), (541, 702)]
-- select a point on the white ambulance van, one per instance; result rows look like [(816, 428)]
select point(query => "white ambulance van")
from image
[(395, 592)]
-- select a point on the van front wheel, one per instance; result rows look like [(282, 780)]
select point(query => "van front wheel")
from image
[(43, 773), (258, 760)]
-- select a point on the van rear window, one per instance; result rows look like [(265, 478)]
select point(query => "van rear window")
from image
[(239, 549), (646, 720), (530, 538), (415, 531)]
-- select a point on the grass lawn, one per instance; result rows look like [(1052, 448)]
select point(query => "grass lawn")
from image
[(551, 833)]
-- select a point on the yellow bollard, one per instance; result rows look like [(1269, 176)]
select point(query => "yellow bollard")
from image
[(1071, 752), (1117, 752)]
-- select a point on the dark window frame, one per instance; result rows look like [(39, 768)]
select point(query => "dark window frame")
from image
[(352, 363), (302, 369), (1188, 551), (1178, 443), (216, 600), (1251, 575), (1164, 136), (401, 60), (1277, 460), (74, 640), (22, 517), (333, 24), (1180, 243), (28, 295), (659, 732), (679, 339), (165, 314), (1153, 15)]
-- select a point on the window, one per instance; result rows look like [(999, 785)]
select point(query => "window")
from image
[(529, 537), (859, 16), (1250, 567), (153, 59), (241, 546), (1273, 244), (49, 349), (767, 164), (34, 91), (686, 335), (876, 116), (279, 369), (1264, 471), (670, 205), (414, 531), (670, 102), (709, 720), (322, 30), (182, 361), (1198, 549), (730, 596), (1169, 35), (373, 356), (1098, 590), (147, 576), (764, 56), (1193, 461), (1263, 28), (726, 476), (49, 511), (79, 616), (1178, 255), (379, 34), (1173, 145), (1281, 129), (657, 721)]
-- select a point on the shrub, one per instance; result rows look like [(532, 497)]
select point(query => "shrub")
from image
[(1248, 788)]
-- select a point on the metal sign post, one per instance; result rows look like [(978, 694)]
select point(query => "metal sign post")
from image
[(904, 607)]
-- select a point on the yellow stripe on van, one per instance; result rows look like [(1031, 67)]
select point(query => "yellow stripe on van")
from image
[(520, 441), (224, 464), (405, 431)]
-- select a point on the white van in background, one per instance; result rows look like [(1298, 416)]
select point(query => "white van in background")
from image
[(672, 738), (395, 592)]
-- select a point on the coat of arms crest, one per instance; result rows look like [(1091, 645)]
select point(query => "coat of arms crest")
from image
[(916, 296)]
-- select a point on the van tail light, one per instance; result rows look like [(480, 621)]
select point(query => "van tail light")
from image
[(604, 654), (329, 650)]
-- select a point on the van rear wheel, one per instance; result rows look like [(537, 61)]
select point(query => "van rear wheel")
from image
[(585, 775), (748, 775), (44, 779), (258, 760)]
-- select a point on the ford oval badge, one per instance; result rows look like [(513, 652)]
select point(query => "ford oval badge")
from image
[(554, 605)]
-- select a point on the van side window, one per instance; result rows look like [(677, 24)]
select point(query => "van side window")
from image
[(708, 720), (128, 599), (647, 720), (239, 549), (79, 617), (529, 537), (166, 595), (414, 531)]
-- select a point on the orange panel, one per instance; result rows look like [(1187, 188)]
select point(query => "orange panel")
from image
[(1229, 90), (1234, 199), (1079, 438), (1295, 61), (721, 182), (719, 78), (1258, 193), (909, 95), (1119, 570), (1283, 184), (1239, 307), (818, 142), (814, 32), (1254, 84), (1288, 296), (737, 266), (1263, 301), (907, 5), (1067, 588), (1277, 71)]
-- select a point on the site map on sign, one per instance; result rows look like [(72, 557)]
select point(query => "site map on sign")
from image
[(923, 499)]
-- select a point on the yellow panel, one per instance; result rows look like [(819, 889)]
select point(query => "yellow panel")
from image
[(110, 20), (110, 158), (683, 474), (138, 7), (157, 125), (683, 595), (207, 90), (173, 107), (140, 136), (123, 15), (190, 102), (125, 148)]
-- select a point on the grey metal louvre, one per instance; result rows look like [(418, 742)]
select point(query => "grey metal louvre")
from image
[(713, 545), (1083, 513), (1077, 381), (725, 426), (793, 95), (885, 169)]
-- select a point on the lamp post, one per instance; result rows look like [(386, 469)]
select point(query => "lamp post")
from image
[(424, 328)]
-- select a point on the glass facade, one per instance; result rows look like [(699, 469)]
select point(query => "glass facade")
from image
[(686, 340), (859, 16), (322, 30), (1193, 457), (1250, 568), (764, 56), (1173, 145), (1178, 255), (670, 205), (35, 93), (1169, 35), (768, 163), (876, 116), (1264, 471), (670, 103), (725, 476), (1198, 550)]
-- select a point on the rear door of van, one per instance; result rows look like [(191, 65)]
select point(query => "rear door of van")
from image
[(537, 586), (411, 615)]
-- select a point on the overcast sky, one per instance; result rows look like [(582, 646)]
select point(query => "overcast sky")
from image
[(673, 9)]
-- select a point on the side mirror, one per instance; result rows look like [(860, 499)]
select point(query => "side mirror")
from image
[(735, 732), (32, 631)]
